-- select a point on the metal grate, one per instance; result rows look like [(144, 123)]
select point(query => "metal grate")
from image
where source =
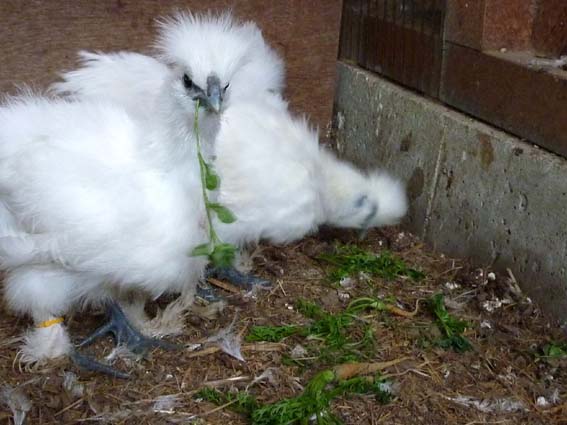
[(400, 39)]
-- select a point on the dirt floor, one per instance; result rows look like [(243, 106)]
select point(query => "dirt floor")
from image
[(514, 374)]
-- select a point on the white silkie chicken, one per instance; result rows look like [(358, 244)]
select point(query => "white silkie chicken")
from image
[(97, 200), (278, 181)]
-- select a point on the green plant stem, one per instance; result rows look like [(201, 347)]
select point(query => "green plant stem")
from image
[(212, 234)]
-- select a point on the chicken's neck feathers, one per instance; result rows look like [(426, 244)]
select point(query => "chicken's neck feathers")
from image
[(172, 141)]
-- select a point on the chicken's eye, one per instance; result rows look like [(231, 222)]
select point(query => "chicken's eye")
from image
[(226, 87), (187, 82)]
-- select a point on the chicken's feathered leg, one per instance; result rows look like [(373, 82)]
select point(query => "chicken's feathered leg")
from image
[(124, 334)]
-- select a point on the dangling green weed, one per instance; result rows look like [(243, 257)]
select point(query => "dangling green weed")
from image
[(220, 254)]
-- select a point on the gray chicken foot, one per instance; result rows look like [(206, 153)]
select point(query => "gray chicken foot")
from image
[(124, 334)]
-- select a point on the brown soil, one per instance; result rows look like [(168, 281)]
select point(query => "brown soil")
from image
[(505, 363)]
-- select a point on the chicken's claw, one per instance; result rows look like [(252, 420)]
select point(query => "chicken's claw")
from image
[(87, 363), (124, 334)]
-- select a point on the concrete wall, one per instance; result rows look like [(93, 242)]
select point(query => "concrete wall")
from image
[(475, 191)]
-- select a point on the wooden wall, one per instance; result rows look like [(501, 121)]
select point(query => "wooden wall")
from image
[(40, 38), (482, 59)]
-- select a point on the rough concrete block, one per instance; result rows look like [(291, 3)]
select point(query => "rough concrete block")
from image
[(503, 202), (475, 191), (379, 125)]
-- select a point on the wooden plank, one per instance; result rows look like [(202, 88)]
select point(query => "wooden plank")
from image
[(41, 37), (502, 90), (507, 24), (550, 28), (464, 22)]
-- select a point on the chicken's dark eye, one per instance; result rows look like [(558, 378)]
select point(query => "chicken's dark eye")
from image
[(187, 82), (226, 87)]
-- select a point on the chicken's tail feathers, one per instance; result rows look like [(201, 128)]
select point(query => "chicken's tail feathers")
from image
[(356, 199), (390, 193)]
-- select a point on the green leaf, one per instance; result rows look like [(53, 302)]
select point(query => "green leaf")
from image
[(223, 213), (450, 326), (555, 350), (366, 303), (314, 402), (240, 402), (271, 333), (212, 180), (211, 395), (310, 309), (458, 343), (223, 255), (351, 260), (203, 249), (331, 328)]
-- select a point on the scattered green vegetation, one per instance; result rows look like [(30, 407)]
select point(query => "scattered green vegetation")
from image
[(368, 340), (377, 386), (330, 328), (341, 337), (311, 406), (310, 309), (555, 350), (272, 333), (451, 327), (366, 303), (240, 402), (314, 401), (212, 395), (327, 327), (350, 260), (220, 254)]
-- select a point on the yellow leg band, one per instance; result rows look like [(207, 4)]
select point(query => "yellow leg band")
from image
[(50, 322)]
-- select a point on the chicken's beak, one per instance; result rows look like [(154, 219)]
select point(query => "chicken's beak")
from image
[(214, 94)]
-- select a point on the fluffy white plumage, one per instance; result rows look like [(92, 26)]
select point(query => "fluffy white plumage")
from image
[(200, 44), (90, 198), (282, 185), (96, 196), (275, 177)]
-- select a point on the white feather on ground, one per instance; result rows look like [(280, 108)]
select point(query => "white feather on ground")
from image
[(97, 200)]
